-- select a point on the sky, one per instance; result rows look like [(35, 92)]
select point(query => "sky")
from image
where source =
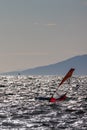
[(41, 32)]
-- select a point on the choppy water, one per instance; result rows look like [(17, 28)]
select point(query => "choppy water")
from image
[(20, 111)]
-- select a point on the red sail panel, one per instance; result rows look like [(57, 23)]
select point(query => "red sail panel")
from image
[(52, 99), (61, 98), (68, 75)]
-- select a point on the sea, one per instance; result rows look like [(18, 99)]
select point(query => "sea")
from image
[(21, 109)]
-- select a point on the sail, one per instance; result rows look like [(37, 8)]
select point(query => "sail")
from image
[(67, 76)]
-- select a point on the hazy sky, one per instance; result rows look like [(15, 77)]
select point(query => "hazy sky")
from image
[(40, 32)]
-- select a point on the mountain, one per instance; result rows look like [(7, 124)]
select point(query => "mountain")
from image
[(60, 68)]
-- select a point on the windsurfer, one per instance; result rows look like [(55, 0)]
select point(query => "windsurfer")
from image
[(62, 97)]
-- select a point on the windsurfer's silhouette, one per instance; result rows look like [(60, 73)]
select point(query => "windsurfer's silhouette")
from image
[(63, 96)]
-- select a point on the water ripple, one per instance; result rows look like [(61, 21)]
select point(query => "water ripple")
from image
[(20, 111)]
